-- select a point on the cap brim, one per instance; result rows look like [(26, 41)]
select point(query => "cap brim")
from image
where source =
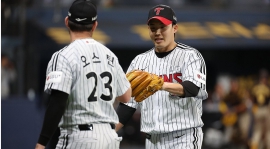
[(163, 20)]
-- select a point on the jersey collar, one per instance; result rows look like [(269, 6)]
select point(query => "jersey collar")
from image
[(163, 54)]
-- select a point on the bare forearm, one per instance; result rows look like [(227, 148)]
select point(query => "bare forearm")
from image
[(118, 126), (173, 88), (39, 146)]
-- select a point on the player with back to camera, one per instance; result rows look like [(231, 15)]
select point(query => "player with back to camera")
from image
[(83, 80), (171, 117)]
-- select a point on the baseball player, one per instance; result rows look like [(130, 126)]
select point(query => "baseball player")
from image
[(171, 117), (83, 80)]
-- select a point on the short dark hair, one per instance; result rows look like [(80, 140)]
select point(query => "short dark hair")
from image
[(75, 27)]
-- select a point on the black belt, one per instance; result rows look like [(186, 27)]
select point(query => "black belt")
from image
[(148, 136), (85, 127)]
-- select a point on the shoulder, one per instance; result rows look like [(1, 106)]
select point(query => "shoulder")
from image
[(188, 49), (59, 52), (145, 54), (185, 48), (65, 54)]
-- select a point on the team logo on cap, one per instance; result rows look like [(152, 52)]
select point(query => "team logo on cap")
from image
[(94, 18), (79, 19), (157, 10), (174, 18)]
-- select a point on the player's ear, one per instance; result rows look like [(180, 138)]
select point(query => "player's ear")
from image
[(66, 22), (95, 26), (175, 28)]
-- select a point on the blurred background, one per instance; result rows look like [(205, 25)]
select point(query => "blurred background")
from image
[(232, 35)]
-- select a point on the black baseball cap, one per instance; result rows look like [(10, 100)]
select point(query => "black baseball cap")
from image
[(163, 13), (82, 12)]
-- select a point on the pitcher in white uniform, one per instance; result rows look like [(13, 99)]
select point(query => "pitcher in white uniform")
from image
[(171, 118), (83, 80)]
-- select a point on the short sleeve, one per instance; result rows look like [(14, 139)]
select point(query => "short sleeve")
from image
[(59, 74), (195, 71)]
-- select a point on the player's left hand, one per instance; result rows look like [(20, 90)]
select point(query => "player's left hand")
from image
[(144, 84), (39, 146)]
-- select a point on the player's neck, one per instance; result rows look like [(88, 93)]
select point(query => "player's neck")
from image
[(80, 35)]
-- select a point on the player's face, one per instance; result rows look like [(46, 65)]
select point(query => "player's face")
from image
[(162, 35)]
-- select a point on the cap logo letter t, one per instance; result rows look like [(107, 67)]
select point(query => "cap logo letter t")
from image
[(157, 10)]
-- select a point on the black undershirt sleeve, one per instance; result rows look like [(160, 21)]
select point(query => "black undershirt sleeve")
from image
[(124, 113), (190, 89), (54, 112)]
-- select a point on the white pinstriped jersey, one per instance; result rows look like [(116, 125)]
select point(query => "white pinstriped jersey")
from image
[(92, 76), (163, 112)]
